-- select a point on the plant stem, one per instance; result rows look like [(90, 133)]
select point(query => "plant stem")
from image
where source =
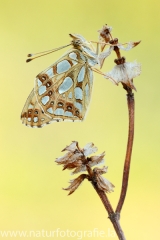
[(130, 101), (114, 217)]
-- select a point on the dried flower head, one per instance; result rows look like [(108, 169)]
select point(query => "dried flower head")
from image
[(77, 159), (104, 35), (124, 72), (114, 43)]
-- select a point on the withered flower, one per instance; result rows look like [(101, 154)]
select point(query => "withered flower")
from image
[(77, 159), (124, 72), (104, 35)]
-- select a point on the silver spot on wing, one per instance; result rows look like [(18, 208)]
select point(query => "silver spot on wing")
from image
[(73, 56), (30, 106), (81, 74), (59, 111), (42, 90), (78, 105), (50, 110), (68, 114), (63, 66), (66, 85), (39, 82), (45, 99), (50, 72), (78, 93), (35, 119)]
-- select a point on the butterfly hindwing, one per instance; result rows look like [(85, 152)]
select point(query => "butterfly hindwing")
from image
[(32, 114), (63, 90)]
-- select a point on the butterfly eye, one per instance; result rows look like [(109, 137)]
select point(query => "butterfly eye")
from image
[(60, 104), (52, 103), (69, 108), (36, 112)]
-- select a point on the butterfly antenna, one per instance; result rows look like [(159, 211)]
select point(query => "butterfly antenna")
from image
[(31, 55)]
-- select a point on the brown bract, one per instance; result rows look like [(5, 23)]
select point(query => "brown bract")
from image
[(75, 183), (102, 183), (78, 159)]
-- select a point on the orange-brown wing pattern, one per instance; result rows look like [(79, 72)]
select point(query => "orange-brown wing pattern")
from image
[(32, 114)]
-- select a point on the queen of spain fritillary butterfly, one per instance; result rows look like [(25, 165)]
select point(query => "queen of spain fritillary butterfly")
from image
[(62, 91)]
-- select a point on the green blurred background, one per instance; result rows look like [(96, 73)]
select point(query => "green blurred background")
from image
[(30, 181)]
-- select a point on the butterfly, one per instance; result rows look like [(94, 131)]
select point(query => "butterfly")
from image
[(62, 92)]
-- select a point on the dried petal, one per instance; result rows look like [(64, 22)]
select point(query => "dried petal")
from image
[(69, 158), (71, 165), (102, 183), (102, 42), (129, 46), (64, 159), (81, 168), (75, 183), (72, 147), (104, 55), (94, 160), (101, 170), (89, 149), (125, 73)]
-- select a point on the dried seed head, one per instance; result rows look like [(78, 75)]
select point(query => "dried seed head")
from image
[(104, 35), (77, 158), (124, 73)]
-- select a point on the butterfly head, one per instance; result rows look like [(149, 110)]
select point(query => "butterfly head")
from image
[(77, 40), (86, 47)]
